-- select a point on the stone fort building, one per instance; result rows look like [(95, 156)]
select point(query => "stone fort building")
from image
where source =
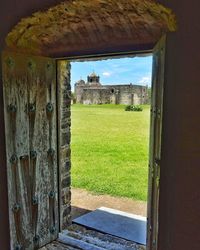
[(93, 92)]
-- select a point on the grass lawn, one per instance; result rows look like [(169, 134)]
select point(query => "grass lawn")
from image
[(110, 150)]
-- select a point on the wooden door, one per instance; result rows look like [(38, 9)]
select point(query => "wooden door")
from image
[(31, 142), (155, 143)]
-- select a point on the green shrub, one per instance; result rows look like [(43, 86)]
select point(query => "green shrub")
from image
[(129, 108), (137, 108)]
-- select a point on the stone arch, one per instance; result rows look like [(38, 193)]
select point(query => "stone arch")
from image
[(74, 27), (81, 27)]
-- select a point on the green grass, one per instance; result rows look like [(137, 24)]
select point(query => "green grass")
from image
[(110, 150)]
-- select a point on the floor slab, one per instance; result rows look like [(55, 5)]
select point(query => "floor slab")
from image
[(117, 223)]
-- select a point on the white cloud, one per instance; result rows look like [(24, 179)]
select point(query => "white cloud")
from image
[(145, 80), (107, 74)]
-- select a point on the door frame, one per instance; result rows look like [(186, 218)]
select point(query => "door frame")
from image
[(155, 141), (153, 209)]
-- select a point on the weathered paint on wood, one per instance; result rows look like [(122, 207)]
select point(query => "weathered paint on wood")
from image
[(64, 134), (155, 143), (31, 142)]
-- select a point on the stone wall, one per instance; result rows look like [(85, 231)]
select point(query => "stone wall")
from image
[(96, 96), (64, 138), (112, 94)]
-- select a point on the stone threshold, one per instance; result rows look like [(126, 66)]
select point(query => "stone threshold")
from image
[(78, 237)]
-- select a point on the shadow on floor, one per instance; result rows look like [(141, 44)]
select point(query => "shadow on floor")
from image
[(78, 211)]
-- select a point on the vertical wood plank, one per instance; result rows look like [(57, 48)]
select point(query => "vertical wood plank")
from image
[(155, 143), (15, 95)]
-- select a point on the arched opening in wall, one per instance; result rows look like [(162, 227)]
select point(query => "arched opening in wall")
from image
[(37, 99)]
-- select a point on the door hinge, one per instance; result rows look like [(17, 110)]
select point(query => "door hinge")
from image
[(157, 171), (156, 111), (153, 110)]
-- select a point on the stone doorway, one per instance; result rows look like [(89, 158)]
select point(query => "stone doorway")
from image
[(41, 41), (156, 119)]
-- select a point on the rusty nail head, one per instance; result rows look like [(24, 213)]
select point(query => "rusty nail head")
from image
[(10, 62), (35, 200), (33, 154), (51, 194), (16, 208), (49, 107), (31, 107), (12, 108), (51, 152), (23, 157), (31, 64), (13, 159), (18, 247), (49, 65), (36, 238), (52, 230)]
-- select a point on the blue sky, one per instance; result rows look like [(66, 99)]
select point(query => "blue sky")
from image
[(135, 70)]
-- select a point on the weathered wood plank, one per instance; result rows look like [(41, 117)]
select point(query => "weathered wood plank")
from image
[(15, 96), (155, 143), (51, 110), (31, 132)]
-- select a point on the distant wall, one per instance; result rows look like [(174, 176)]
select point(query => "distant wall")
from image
[(112, 94), (96, 96)]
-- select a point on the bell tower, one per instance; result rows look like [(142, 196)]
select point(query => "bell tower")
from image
[(93, 79)]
